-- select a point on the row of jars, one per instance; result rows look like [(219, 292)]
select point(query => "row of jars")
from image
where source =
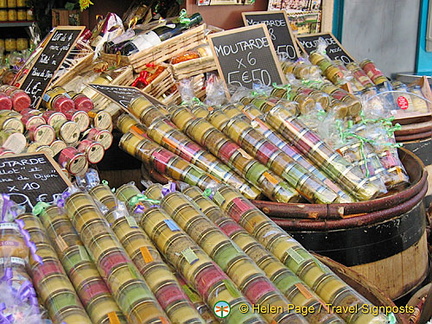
[(11, 44), (16, 14)]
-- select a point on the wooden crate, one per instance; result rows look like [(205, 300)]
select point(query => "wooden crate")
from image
[(161, 84), (193, 67), (163, 51), (64, 17)]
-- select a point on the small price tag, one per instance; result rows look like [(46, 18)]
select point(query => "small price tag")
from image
[(172, 225), (146, 254), (190, 256), (402, 102), (296, 257), (113, 318)]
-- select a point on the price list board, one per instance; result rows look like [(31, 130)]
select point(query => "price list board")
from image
[(334, 49), (54, 49), (279, 29), (246, 57), (30, 178)]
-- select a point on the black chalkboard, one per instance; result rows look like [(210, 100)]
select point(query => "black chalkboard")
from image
[(245, 57), (55, 49), (334, 50), (122, 94), (279, 30), (30, 178)]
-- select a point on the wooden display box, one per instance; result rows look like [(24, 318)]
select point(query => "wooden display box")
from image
[(193, 67), (64, 17)]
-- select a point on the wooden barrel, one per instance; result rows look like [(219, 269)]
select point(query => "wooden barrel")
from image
[(417, 138), (386, 245), (362, 286)]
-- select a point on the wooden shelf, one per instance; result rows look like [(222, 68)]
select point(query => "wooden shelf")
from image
[(16, 23)]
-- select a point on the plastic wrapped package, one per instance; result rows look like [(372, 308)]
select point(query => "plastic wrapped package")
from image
[(145, 256), (199, 271), (177, 142), (316, 275), (165, 162), (127, 286), (230, 258), (234, 156), (257, 120), (278, 161), (384, 144), (19, 301), (328, 160), (53, 286), (285, 280), (89, 285), (143, 109), (197, 301)]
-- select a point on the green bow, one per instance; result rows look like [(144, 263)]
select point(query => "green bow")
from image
[(39, 208), (207, 192), (183, 18), (140, 197)]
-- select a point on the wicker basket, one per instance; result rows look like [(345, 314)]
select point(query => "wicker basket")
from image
[(193, 67), (165, 81), (163, 51), (78, 64)]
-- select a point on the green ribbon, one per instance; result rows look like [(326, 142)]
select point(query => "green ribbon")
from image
[(286, 87), (391, 318), (197, 101), (39, 208), (207, 192), (194, 100), (311, 82), (140, 197), (362, 140), (391, 130), (183, 18)]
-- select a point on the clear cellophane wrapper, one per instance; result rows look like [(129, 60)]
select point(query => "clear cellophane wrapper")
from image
[(185, 213), (325, 158), (193, 263), (382, 139), (142, 252), (164, 161), (20, 303), (177, 142), (342, 137), (282, 164), (73, 255), (50, 280), (315, 274), (232, 154), (258, 121), (90, 219), (283, 278)]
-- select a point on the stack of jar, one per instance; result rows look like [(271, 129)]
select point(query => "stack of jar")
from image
[(15, 10), (69, 130)]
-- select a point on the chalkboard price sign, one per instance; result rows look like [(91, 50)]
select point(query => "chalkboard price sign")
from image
[(57, 46), (30, 178), (123, 95), (334, 50), (246, 58), (279, 30)]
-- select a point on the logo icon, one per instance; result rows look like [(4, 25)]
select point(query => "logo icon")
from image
[(221, 309)]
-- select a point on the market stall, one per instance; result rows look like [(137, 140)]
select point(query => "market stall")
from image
[(171, 171)]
